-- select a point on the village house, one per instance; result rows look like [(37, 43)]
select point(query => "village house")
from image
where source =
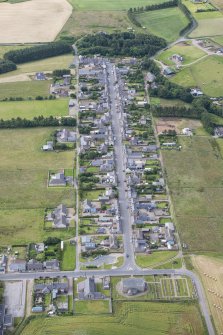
[(52, 265), (57, 179), (59, 217), (34, 265), (17, 265), (65, 135), (87, 290)]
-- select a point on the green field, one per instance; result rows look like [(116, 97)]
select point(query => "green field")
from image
[(206, 74), (189, 53), (102, 15), (31, 109), (195, 179), (208, 27), (218, 39), (48, 64), (166, 23), (68, 259), (129, 318), (91, 307), (25, 89), (98, 5), (150, 261), (23, 183)]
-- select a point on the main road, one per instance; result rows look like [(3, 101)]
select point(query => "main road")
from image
[(125, 217)]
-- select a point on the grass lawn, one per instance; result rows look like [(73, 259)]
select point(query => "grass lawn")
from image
[(30, 109), (189, 53), (129, 318), (148, 261), (25, 89), (69, 254), (166, 23), (91, 307), (20, 226), (92, 195), (48, 64), (206, 74), (23, 182), (197, 192)]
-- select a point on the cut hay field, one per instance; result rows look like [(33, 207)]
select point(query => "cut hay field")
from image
[(25, 89), (208, 267), (33, 21), (195, 176), (206, 74), (189, 53), (23, 182), (30, 109), (208, 27), (43, 65), (102, 15), (166, 23), (129, 318)]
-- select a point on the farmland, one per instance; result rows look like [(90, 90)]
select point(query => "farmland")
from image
[(102, 15), (189, 53), (23, 185), (31, 109), (195, 176), (211, 270), (208, 27), (24, 89), (119, 5), (129, 317), (43, 65), (206, 74), (31, 20), (166, 23)]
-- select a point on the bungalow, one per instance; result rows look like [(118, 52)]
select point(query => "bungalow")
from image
[(132, 286), (59, 217), (89, 207), (40, 76), (34, 265), (66, 136), (57, 179), (17, 265), (52, 264)]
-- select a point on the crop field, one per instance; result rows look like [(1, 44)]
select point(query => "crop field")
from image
[(25, 89), (31, 109), (195, 177), (31, 20), (129, 318), (98, 5), (218, 39), (206, 74), (23, 182), (189, 53), (43, 65), (218, 4), (211, 272), (166, 23)]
